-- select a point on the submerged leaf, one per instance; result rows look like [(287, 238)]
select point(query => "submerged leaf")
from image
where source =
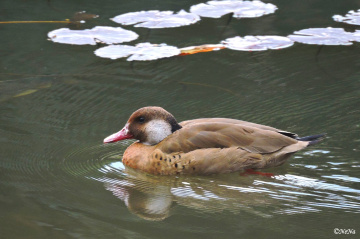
[(323, 36), (26, 92), (203, 48), (141, 52), (82, 16), (108, 35), (240, 9), (351, 17), (257, 43), (45, 85), (157, 19)]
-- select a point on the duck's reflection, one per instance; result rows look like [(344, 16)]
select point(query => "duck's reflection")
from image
[(153, 203), (153, 197)]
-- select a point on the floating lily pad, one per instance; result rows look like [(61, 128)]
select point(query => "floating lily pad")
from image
[(108, 35), (257, 43), (141, 52), (351, 17), (356, 36), (323, 36), (157, 19), (240, 9)]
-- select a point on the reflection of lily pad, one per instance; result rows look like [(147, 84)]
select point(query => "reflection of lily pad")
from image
[(323, 36), (257, 43), (141, 52), (241, 9), (351, 17), (108, 35), (157, 19)]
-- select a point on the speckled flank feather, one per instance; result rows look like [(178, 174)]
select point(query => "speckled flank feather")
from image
[(202, 161)]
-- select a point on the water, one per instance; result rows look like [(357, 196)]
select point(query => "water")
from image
[(58, 102)]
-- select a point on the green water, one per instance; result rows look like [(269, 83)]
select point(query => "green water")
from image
[(58, 102)]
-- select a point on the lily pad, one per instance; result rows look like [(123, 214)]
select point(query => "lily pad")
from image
[(157, 19), (356, 36), (107, 35), (240, 9), (257, 43), (323, 36), (141, 52), (352, 17)]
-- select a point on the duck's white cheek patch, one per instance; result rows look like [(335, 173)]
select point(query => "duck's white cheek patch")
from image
[(156, 131)]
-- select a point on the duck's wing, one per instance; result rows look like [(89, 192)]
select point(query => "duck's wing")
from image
[(237, 122), (206, 135)]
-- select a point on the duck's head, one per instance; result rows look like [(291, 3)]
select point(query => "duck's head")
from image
[(149, 125)]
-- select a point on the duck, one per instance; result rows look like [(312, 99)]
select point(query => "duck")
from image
[(203, 146)]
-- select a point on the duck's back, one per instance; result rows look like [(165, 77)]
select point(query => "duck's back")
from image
[(226, 133), (237, 122)]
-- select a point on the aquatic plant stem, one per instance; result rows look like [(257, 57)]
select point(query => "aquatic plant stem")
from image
[(12, 22)]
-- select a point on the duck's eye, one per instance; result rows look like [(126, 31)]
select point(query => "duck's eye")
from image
[(141, 119)]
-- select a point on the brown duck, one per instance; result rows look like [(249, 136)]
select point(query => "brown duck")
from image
[(203, 146)]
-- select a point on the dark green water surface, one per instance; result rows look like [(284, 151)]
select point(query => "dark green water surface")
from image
[(58, 102)]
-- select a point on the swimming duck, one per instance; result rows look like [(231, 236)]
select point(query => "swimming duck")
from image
[(203, 146)]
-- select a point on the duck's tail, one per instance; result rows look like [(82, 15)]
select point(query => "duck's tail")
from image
[(312, 139)]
